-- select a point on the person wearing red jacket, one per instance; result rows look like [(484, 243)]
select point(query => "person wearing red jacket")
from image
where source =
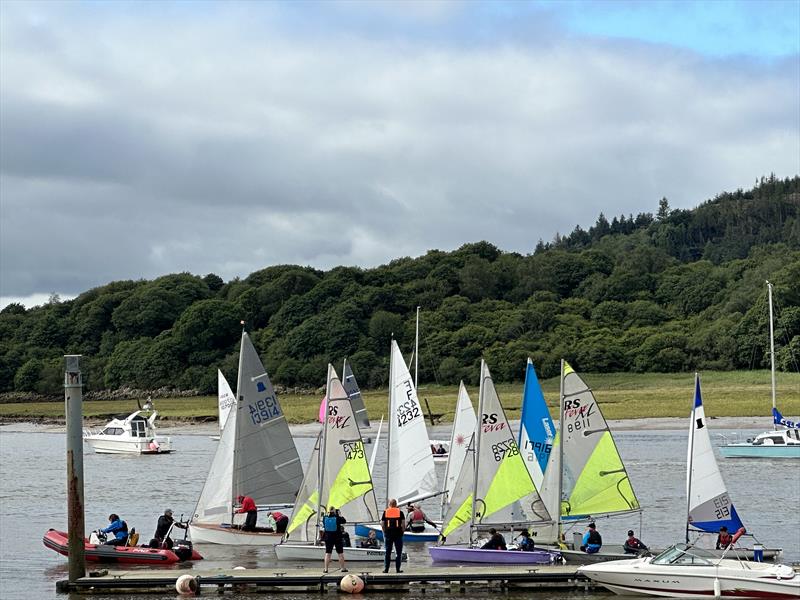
[(248, 506)]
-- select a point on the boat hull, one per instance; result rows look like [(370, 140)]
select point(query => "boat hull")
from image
[(429, 535), (217, 534), (302, 552), (638, 577), (496, 557), (608, 553), (763, 451), (105, 444), (59, 542)]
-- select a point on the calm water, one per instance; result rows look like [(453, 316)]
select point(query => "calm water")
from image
[(33, 499)]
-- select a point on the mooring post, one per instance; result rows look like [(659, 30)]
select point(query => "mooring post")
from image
[(73, 402)]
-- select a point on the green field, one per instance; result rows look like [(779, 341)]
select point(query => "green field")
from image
[(622, 396)]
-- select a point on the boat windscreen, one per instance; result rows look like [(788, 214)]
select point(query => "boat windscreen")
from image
[(681, 554)]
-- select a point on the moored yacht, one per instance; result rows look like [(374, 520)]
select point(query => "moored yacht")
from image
[(134, 434)]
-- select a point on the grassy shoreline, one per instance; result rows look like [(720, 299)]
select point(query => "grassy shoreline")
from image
[(621, 396)]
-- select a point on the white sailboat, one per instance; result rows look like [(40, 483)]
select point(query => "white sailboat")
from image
[(784, 440), (708, 504), (410, 470), (493, 481), (256, 457), (338, 475), (585, 476), (464, 424), (226, 400)]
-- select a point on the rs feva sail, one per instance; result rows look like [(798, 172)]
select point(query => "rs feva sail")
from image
[(464, 423), (536, 431), (486, 489), (339, 455), (411, 472), (256, 455), (709, 506), (594, 479), (225, 399), (354, 393)]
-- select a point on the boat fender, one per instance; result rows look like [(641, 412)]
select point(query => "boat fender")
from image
[(717, 588), (739, 533), (351, 584), (185, 585)]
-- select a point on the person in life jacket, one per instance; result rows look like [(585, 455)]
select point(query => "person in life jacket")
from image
[(633, 545), (165, 523), (724, 538), (496, 541), (592, 540), (393, 524), (248, 505), (119, 528), (526, 541), (332, 528), (417, 519)]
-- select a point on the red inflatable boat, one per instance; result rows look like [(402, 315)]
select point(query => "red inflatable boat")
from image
[(58, 541)]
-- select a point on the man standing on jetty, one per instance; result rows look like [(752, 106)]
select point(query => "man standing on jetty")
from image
[(393, 523)]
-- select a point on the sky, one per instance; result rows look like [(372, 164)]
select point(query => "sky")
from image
[(141, 139)]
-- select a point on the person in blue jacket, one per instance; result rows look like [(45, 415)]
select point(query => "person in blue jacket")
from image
[(119, 528), (591, 540)]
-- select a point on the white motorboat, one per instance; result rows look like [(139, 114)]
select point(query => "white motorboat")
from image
[(134, 434), (440, 456), (682, 571)]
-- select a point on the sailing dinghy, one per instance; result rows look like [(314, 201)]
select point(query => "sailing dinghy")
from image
[(410, 470), (536, 430), (585, 477), (709, 505), (492, 481), (338, 475), (256, 457)]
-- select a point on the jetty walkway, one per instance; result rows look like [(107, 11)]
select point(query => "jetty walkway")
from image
[(456, 578)]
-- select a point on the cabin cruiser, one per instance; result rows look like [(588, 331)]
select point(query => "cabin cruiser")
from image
[(683, 571), (134, 434), (780, 443)]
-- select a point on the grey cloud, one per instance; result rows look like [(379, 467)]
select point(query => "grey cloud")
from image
[(132, 148)]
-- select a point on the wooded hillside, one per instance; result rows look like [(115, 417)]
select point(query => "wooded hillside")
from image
[(675, 291)]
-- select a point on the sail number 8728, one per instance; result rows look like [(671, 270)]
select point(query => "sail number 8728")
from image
[(503, 449)]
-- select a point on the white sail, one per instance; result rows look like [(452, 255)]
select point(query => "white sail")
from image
[(339, 454), (464, 424), (215, 504), (411, 471), (709, 506), (226, 400), (266, 465)]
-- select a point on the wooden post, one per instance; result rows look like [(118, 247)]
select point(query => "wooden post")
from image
[(73, 401)]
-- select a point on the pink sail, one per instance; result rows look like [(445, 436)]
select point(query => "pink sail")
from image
[(322, 409)]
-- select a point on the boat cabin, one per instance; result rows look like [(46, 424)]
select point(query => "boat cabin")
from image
[(789, 437), (682, 554)]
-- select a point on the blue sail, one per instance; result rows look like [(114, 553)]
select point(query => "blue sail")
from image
[(781, 420), (536, 431)]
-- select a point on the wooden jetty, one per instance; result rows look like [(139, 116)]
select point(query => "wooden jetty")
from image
[(417, 579)]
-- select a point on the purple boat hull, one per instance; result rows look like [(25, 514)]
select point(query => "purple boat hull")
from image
[(502, 557)]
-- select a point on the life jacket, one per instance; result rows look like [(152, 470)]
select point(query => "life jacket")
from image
[(331, 524), (392, 516), (595, 538), (417, 517)]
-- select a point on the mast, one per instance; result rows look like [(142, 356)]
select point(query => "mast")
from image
[(690, 457), (416, 357), (477, 449), (392, 416), (321, 478), (560, 449), (771, 344), (239, 388)]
